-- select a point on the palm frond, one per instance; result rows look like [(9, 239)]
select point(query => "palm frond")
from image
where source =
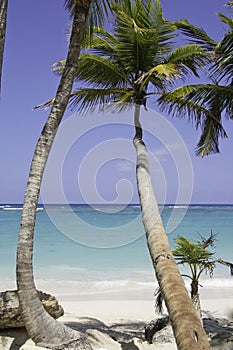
[(226, 20), (177, 103), (45, 105), (188, 58), (178, 64), (197, 35), (140, 35), (204, 104), (187, 252), (88, 99), (99, 71), (102, 42), (211, 132), (223, 68), (158, 301)]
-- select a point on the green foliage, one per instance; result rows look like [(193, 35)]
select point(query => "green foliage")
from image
[(206, 104), (122, 66), (188, 252), (194, 255)]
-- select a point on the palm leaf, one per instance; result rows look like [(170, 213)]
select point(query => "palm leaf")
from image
[(88, 99), (188, 58), (197, 35), (179, 63), (187, 252), (204, 104), (226, 20), (99, 71), (223, 68)]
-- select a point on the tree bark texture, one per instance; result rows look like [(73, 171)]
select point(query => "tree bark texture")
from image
[(187, 328), (41, 327), (3, 19)]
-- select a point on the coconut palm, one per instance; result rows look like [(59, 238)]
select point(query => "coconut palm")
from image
[(120, 68), (40, 326), (207, 104), (3, 18)]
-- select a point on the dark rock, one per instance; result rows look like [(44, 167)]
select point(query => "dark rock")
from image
[(10, 314)]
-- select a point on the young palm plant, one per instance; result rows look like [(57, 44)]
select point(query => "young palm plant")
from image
[(199, 260), (119, 68), (206, 104), (41, 327)]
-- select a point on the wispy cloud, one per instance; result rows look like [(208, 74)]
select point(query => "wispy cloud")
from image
[(124, 165), (166, 151)]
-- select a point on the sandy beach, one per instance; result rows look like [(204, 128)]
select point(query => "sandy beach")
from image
[(115, 319)]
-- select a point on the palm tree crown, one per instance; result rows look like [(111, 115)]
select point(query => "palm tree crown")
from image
[(123, 66)]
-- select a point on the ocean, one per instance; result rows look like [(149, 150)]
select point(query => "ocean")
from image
[(97, 247)]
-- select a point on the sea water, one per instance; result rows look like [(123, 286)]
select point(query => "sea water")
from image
[(107, 245)]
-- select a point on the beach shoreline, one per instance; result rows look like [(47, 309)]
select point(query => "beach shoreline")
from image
[(125, 313)]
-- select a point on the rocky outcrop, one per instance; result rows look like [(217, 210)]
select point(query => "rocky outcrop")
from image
[(10, 314)]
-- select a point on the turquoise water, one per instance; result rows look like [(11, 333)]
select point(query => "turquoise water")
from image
[(107, 243)]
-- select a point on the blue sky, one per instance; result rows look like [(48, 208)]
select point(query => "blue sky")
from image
[(37, 38)]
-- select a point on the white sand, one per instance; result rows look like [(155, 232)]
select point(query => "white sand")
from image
[(126, 307)]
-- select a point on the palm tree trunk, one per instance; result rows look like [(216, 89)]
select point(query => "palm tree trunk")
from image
[(3, 18), (41, 327), (196, 298), (188, 331)]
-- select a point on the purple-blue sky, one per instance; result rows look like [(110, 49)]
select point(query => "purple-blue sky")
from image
[(36, 38)]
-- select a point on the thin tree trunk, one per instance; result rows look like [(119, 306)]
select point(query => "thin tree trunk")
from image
[(188, 331), (196, 298), (41, 327), (3, 18)]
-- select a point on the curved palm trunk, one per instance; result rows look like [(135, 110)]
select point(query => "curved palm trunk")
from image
[(186, 325), (3, 17), (41, 327)]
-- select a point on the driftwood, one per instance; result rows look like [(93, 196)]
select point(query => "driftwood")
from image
[(10, 314), (154, 326)]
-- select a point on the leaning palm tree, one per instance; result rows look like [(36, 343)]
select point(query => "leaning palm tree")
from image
[(3, 18), (120, 68), (40, 326), (207, 104)]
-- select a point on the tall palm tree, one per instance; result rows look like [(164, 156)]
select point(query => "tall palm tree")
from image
[(3, 18), (40, 326), (122, 66), (206, 104)]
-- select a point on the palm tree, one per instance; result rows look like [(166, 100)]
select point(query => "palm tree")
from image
[(122, 66), (199, 259), (3, 18), (206, 104), (40, 326)]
